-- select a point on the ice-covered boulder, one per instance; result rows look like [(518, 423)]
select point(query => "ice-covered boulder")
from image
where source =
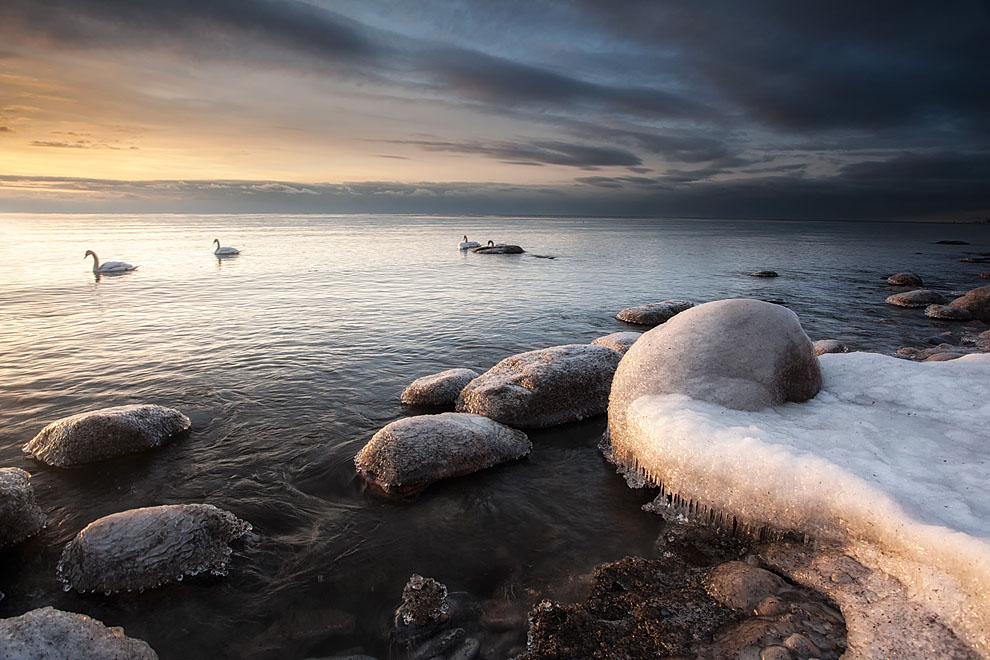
[(543, 388), (916, 298), (106, 433), (440, 389), (50, 634), (889, 460), (144, 548), (905, 279), (823, 346), (977, 302), (948, 312), (618, 341), (20, 515), (412, 453), (653, 313)]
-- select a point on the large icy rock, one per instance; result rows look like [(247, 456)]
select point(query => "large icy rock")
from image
[(653, 313), (20, 515), (411, 453), (889, 460), (439, 389), (977, 302), (618, 341), (106, 433), (144, 548), (50, 634), (916, 298), (542, 388)]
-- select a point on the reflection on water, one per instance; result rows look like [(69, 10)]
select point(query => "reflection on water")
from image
[(288, 357)]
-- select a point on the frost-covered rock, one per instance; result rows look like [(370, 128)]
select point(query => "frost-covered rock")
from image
[(765, 273), (653, 313), (618, 341), (948, 312), (50, 634), (916, 298), (144, 548), (543, 388), (412, 453), (905, 279), (440, 389), (823, 346), (889, 460), (499, 249), (424, 608), (977, 302), (20, 515), (106, 433)]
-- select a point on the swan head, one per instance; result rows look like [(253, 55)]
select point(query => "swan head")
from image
[(465, 238), (89, 253), (217, 241)]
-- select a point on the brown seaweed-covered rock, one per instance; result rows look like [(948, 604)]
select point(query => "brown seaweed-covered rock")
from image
[(20, 515), (106, 433), (916, 298), (144, 548), (543, 388), (653, 313), (440, 389), (498, 249), (905, 279), (412, 453), (977, 302), (948, 312), (50, 634), (823, 346), (618, 341)]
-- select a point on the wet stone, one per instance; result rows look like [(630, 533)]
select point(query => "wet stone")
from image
[(440, 389), (916, 298), (618, 341), (905, 279), (765, 273), (948, 312), (47, 633), (20, 515), (653, 313), (424, 608), (823, 346)]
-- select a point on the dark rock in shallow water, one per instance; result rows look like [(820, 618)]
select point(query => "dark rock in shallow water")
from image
[(106, 433), (948, 312), (144, 548), (50, 634), (424, 608), (498, 249), (905, 279), (951, 243), (618, 341), (440, 389), (20, 515), (916, 298), (977, 302), (765, 273), (412, 453), (543, 388), (653, 313), (823, 346), (975, 260)]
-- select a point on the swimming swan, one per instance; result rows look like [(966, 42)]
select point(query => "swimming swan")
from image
[(109, 267), (221, 251), (467, 245)]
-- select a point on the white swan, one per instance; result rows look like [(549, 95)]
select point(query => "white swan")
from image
[(467, 245), (224, 251), (110, 267)]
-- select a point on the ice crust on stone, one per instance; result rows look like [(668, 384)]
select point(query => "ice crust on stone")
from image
[(653, 313), (411, 453), (50, 634), (543, 388), (916, 298), (20, 515), (440, 389), (618, 341), (145, 548), (106, 433), (891, 455)]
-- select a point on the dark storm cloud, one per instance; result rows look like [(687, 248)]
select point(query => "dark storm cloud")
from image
[(536, 152), (926, 168)]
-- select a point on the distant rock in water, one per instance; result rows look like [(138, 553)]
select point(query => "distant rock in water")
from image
[(951, 243), (50, 634), (975, 260), (618, 341), (823, 346), (916, 298), (20, 515), (905, 279), (411, 453), (144, 548), (498, 249), (985, 275), (977, 302), (543, 388), (948, 312), (653, 313), (440, 389), (106, 433), (765, 273)]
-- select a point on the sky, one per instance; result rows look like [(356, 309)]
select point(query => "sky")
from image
[(766, 108)]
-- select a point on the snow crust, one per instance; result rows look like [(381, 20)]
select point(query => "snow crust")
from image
[(892, 457)]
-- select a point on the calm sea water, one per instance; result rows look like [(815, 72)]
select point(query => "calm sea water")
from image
[(289, 357)]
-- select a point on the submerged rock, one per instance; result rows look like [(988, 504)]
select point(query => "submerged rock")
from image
[(653, 313), (951, 243), (916, 298), (20, 515), (948, 312), (412, 453), (618, 341), (543, 388), (765, 273), (498, 249), (145, 548), (440, 389), (977, 302), (823, 346), (106, 433), (905, 279), (50, 634)]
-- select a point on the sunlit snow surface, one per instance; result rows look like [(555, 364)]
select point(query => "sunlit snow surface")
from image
[(890, 452)]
